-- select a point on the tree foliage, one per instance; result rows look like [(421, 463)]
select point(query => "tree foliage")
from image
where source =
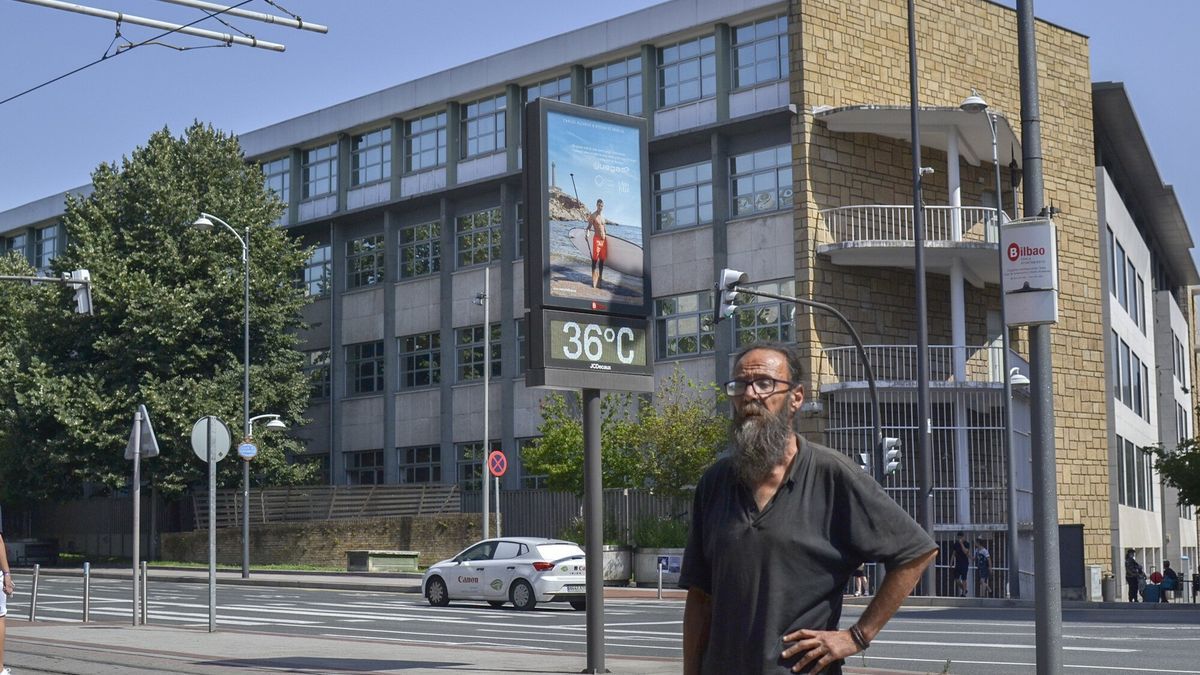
[(1180, 468), (664, 442), (166, 330)]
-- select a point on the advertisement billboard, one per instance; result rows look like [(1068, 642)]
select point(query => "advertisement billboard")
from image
[(587, 288), (588, 232)]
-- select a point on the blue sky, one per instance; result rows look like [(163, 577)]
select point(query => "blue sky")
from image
[(51, 139)]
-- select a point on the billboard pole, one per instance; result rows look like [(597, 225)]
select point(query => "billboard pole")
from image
[(593, 532)]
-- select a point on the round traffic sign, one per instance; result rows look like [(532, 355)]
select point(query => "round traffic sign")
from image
[(497, 463), (247, 450), (217, 436)]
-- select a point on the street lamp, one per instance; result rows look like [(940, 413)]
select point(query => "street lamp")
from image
[(484, 298), (976, 104), (205, 222)]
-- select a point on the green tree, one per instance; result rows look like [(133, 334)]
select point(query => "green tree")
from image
[(1180, 468), (166, 330), (664, 442)]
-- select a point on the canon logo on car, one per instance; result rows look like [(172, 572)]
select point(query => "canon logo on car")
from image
[(1016, 251)]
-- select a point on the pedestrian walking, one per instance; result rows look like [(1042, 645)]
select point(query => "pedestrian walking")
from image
[(961, 556), (1133, 574)]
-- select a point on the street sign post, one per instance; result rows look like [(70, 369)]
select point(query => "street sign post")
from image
[(210, 442), (142, 443)]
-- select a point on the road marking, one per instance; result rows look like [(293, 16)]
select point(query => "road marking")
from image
[(1107, 667), (990, 645)]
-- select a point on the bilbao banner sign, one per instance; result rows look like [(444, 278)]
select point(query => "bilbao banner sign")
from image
[(1029, 271)]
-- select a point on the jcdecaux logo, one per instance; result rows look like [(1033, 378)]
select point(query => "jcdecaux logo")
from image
[(1016, 251)]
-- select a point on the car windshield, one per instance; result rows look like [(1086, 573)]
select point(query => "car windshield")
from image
[(555, 552)]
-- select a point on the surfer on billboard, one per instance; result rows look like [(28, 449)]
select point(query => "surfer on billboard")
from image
[(599, 243)]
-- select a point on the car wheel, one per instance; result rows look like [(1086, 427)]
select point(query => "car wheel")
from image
[(579, 605), (496, 603), (435, 592), (521, 595)]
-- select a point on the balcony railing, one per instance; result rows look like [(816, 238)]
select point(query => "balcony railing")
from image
[(895, 223), (898, 363)]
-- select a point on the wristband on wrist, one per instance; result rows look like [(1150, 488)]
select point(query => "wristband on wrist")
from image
[(860, 640)]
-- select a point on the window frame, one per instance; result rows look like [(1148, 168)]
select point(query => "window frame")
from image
[(377, 152), (483, 118), (752, 306), (471, 346), (363, 367), (415, 459), (376, 468), (673, 66), (695, 187), (467, 232), (312, 159), (704, 334), (779, 57), (630, 70), (318, 272), (319, 374), (782, 193), (409, 349), (272, 173), (431, 261), (365, 266), (416, 132)]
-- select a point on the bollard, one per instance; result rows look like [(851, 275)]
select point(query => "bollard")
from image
[(87, 591), (144, 601), (660, 571), (33, 593)]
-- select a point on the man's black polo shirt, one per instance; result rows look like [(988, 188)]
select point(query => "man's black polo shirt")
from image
[(784, 569)]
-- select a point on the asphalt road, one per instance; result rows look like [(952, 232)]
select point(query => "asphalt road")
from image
[(921, 639)]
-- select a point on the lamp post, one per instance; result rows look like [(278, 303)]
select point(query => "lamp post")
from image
[(484, 298), (205, 222), (976, 104)]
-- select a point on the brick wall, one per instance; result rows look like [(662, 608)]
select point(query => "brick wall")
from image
[(851, 53), (325, 542)]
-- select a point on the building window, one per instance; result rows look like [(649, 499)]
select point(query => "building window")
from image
[(684, 325), (421, 464), (1145, 404), (483, 126), (1126, 377), (14, 243), (317, 270), (426, 142), (521, 346), (420, 249), (470, 464), (364, 261), (371, 157), (320, 171), (520, 230), (683, 196), (45, 248), (1119, 287), (761, 181), (760, 52), (759, 318), (1135, 371), (277, 177), (316, 369), (364, 468), (477, 237), (687, 71), (558, 89), (616, 86), (469, 352), (364, 368), (529, 481), (420, 360), (1139, 315)]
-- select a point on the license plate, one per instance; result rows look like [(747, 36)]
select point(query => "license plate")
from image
[(575, 588)]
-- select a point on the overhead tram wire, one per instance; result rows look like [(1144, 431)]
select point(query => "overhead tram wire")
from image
[(107, 56)]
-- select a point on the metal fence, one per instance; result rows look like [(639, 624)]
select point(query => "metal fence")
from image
[(895, 223), (898, 363), (538, 513), (291, 504)]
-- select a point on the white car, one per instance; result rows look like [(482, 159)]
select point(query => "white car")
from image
[(520, 570)]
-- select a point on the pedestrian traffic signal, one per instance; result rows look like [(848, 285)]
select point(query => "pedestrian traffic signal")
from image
[(891, 454), (83, 291), (726, 303)]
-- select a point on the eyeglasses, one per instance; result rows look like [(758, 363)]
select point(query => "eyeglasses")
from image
[(761, 385)]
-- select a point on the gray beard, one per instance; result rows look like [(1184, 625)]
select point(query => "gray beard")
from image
[(759, 444)]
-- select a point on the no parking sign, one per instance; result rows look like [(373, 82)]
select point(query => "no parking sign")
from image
[(497, 463)]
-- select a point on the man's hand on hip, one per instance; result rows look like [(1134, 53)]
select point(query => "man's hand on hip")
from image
[(821, 647)]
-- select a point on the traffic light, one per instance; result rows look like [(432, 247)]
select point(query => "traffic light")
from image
[(891, 454), (83, 291), (726, 295)]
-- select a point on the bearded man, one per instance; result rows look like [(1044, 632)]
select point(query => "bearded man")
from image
[(778, 526)]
